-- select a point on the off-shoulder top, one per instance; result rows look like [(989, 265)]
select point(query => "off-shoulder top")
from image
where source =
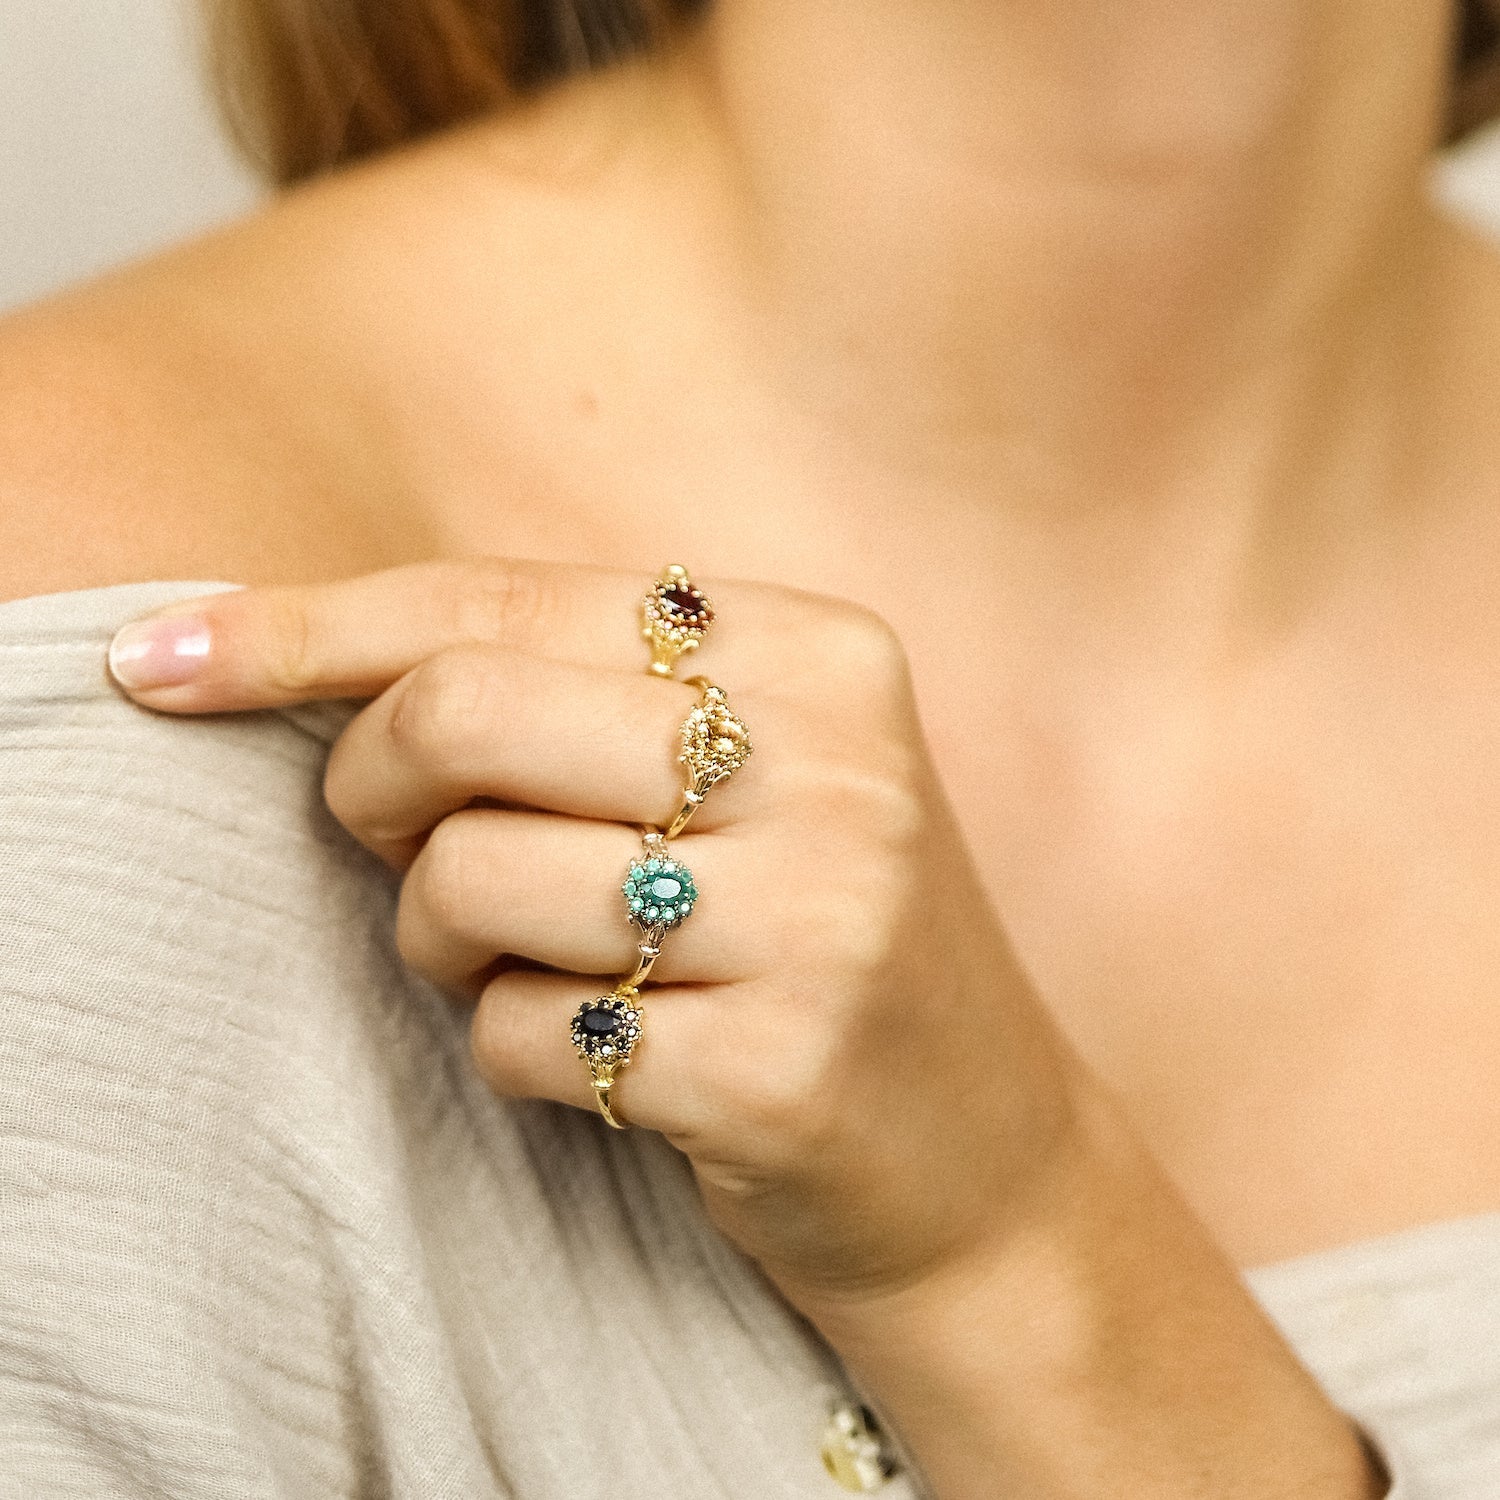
[(264, 1235)]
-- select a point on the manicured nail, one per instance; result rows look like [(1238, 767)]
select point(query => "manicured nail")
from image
[(159, 653)]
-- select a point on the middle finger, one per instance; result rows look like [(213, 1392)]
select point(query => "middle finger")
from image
[(482, 721)]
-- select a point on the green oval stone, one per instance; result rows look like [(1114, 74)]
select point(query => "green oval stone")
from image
[(665, 888)]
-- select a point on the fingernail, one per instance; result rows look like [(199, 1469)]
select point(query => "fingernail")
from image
[(159, 653)]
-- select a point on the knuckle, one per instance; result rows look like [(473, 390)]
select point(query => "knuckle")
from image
[(880, 815), (887, 806), (493, 600), (846, 632), (861, 645), (441, 709), (290, 663), (784, 1112), (439, 887), (859, 927)]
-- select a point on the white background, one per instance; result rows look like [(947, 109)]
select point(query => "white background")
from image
[(109, 147)]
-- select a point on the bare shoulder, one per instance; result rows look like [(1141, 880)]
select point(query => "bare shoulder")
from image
[(319, 389), (251, 405), (143, 431)]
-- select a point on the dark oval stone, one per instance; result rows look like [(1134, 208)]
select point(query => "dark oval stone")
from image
[(678, 605), (600, 1022)]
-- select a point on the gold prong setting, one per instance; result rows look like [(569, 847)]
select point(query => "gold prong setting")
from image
[(715, 742), (606, 1030), (676, 617), (659, 890)]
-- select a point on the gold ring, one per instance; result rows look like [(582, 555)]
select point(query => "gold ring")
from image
[(660, 894), (715, 744), (606, 1031), (676, 618)]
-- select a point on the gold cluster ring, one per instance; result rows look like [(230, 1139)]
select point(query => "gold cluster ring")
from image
[(675, 618), (659, 890)]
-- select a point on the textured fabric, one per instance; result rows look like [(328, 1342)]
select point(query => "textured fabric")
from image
[(263, 1232), (1405, 1331)]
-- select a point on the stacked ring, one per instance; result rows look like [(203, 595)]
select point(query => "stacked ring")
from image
[(715, 744), (676, 618), (660, 892), (605, 1032)]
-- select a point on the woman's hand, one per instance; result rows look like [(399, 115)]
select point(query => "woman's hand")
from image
[(875, 1104), (838, 1037)]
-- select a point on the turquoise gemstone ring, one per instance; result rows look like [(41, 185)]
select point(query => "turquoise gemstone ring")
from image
[(660, 894)]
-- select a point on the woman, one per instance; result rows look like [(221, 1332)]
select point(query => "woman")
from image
[(1100, 929)]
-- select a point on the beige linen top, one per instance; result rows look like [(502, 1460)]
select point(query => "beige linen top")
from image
[(264, 1235)]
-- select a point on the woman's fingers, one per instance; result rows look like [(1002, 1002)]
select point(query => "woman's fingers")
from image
[(520, 1041), (494, 883), (480, 721), (264, 647)]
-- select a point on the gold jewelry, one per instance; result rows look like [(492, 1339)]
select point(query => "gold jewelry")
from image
[(676, 618), (605, 1032), (659, 891), (855, 1451), (660, 894), (715, 744)]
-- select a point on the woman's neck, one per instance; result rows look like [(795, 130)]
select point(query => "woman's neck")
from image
[(1091, 251)]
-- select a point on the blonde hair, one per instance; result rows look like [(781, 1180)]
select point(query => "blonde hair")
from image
[(307, 84)]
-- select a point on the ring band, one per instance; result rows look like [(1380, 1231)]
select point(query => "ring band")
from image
[(676, 617), (715, 744), (606, 1031)]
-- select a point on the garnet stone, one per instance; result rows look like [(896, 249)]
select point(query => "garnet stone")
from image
[(684, 606)]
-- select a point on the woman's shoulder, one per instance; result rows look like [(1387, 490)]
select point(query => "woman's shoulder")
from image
[(142, 432), (280, 399)]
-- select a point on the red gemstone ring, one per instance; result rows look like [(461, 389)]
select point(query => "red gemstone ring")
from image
[(676, 618)]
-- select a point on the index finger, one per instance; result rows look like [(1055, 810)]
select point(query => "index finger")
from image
[(267, 647)]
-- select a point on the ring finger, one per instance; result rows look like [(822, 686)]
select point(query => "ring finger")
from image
[(493, 883)]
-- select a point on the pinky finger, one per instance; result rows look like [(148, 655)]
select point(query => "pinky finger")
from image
[(521, 1041)]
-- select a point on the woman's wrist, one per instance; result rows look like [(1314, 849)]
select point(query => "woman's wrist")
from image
[(1101, 1346)]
